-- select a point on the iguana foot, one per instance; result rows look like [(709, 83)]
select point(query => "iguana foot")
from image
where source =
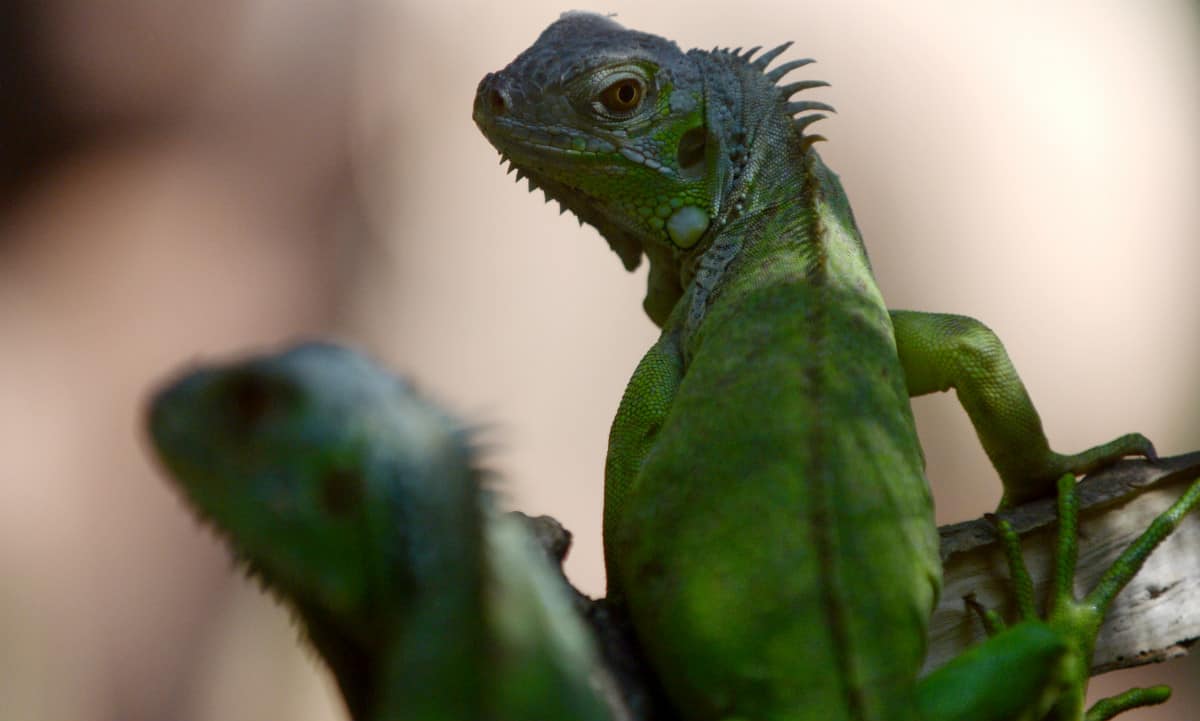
[(1106, 454), (1078, 621), (1040, 483)]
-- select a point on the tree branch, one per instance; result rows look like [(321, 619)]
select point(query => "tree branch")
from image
[(1156, 617)]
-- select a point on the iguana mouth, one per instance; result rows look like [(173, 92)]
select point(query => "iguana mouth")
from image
[(567, 142), (534, 144)]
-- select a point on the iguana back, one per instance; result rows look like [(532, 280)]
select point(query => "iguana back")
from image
[(782, 517)]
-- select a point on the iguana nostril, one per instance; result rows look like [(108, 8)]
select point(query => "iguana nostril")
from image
[(491, 99), (498, 101)]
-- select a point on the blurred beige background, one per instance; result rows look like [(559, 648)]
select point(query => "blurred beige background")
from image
[(191, 179)]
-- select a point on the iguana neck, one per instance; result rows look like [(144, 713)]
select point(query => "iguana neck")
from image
[(352, 663), (776, 208), (440, 575), (790, 220)]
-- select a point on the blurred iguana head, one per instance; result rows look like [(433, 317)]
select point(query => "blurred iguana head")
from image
[(654, 147), (324, 472), (358, 503)]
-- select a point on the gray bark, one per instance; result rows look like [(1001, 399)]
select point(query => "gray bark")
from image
[(1156, 617)]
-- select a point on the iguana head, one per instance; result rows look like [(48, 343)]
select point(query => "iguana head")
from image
[(323, 471), (647, 143)]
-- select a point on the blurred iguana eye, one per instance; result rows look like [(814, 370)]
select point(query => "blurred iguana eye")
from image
[(623, 96)]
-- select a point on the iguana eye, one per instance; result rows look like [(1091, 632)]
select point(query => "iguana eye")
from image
[(623, 96)]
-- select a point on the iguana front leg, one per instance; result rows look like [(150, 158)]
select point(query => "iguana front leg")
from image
[(940, 351), (644, 406)]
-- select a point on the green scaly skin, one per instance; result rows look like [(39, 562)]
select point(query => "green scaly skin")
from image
[(767, 520), (358, 503)]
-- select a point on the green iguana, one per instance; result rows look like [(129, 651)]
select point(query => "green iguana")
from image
[(359, 504), (767, 520)]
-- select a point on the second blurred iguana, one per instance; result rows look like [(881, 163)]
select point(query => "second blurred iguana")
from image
[(360, 504)]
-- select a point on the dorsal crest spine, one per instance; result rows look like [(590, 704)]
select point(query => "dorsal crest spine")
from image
[(803, 110)]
